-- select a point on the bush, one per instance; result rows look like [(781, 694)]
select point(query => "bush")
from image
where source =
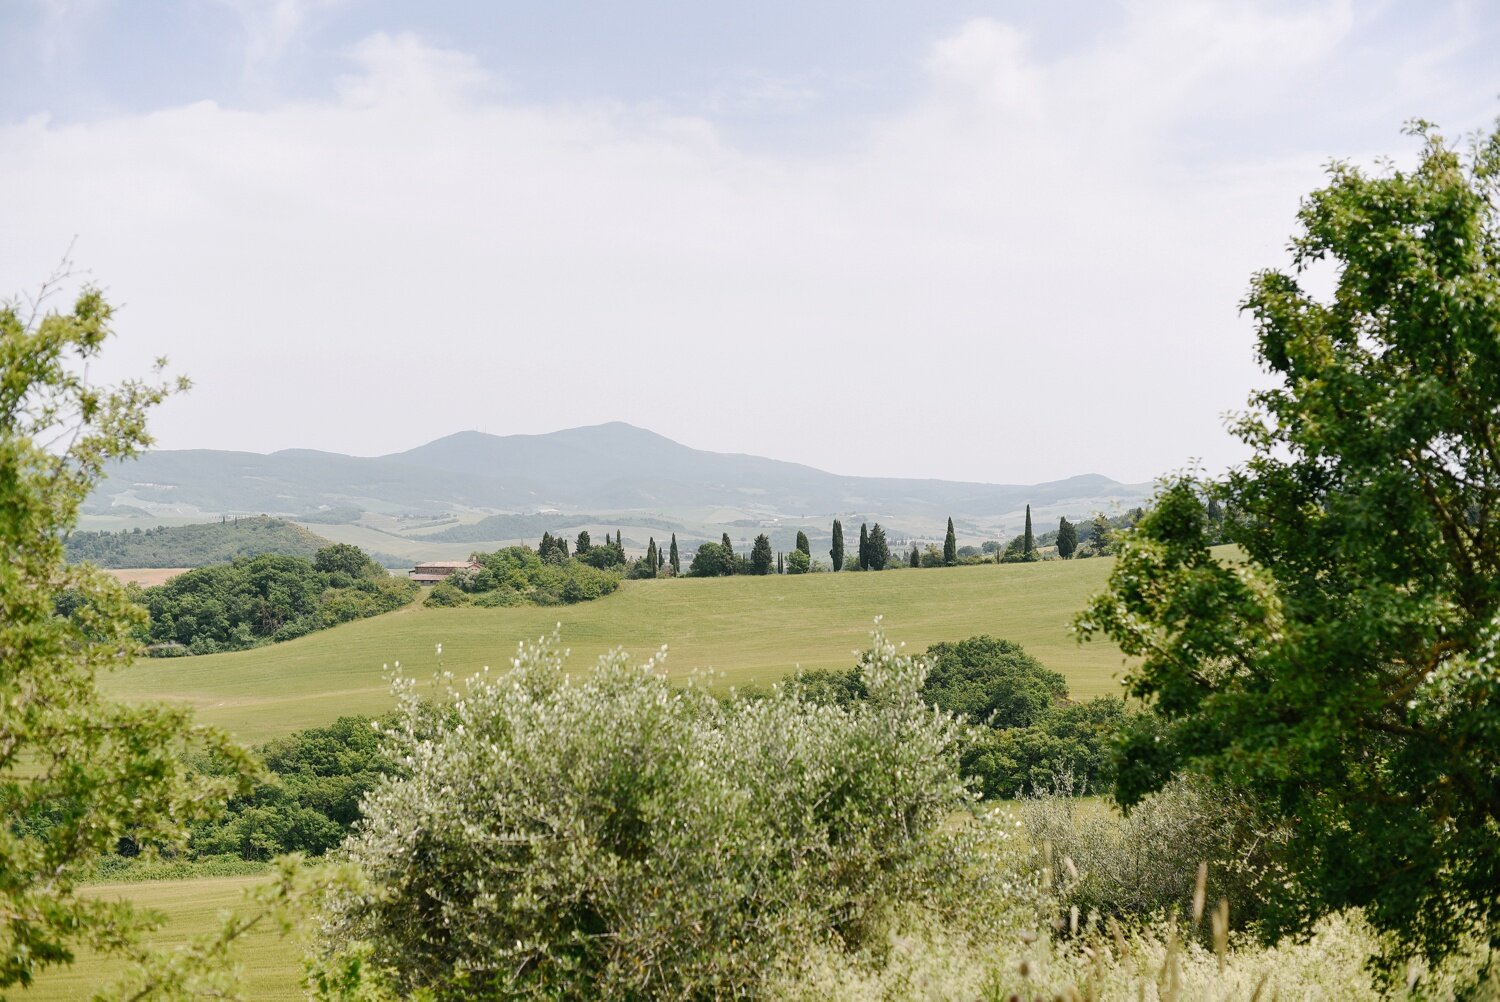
[(1145, 863), (445, 595), (618, 836)]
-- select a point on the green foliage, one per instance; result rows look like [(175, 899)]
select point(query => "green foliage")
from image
[(915, 559), (950, 546), (1025, 735), (712, 560), (878, 551), (1101, 536), (1028, 541), (270, 597), (1346, 672), (675, 561), (193, 545), (310, 800), (798, 562), (1067, 538), (77, 771), (836, 554), (864, 546), (616, 836), (803, 544), (987, 681), (761, 555), (582, 544), (517, 575)]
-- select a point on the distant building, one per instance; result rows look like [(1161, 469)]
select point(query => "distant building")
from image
[(436, 570)]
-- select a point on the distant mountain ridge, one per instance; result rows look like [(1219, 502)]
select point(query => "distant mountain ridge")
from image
[(610, 467)]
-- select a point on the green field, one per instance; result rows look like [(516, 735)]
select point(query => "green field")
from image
[(270, 963), (746, 629)]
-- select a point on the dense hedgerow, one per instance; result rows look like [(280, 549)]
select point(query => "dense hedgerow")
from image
[(518, 575)]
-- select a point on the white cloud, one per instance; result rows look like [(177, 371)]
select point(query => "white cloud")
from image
[(1019, 276)]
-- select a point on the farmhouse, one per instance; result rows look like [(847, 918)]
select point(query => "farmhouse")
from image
[(436, 570)]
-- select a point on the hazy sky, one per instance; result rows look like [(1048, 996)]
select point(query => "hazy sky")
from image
[(1001, 242)]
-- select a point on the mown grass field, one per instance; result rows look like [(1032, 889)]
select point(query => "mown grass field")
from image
[(270, 963), (746, 630)]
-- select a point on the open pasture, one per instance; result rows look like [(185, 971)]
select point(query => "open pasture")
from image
[(746, 630)]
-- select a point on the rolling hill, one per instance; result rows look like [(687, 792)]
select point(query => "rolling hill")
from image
[(603, 470), (747, 630)]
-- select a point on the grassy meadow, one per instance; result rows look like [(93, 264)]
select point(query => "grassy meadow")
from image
[(191, 908), (746, 630)]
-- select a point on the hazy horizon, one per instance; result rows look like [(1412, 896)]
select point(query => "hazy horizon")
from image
[(961, 241)]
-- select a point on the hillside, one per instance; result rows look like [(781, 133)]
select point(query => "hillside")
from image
[(193, 545), (751, 630), (603, 469)]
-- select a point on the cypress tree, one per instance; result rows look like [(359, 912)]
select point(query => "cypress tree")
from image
[(760, 555), (916, 556), (651, 563), (864, 546), (582, 545), (728, 551), (1028, 548), (950, 546), (780, 563), (880, 552), (803, 544), (837, 553), (676, 563), (1067, 538)]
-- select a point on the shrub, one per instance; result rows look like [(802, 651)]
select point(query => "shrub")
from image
[(618, 836)]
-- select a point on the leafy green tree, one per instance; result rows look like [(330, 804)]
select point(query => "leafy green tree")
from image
[(1101, 535), (1028, 547), (1067, 538), (879, 551), (1347, 672), (950, 546), (803, 544), (836, 554), (78, 771), (760, 555), (344, 558), (864, 546), (711, 561), (915, 560), (729, 549), (581, 546), (798, 562), (675, 560), (651, 561), (990, 681)]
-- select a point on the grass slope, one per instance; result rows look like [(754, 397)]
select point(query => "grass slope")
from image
[(751, 630), (271, 965)]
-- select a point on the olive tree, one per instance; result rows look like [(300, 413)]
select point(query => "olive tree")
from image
[(612, 835), (1347, 672)]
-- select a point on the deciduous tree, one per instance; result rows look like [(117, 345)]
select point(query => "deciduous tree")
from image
[(78, 771), (1347, 670)]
